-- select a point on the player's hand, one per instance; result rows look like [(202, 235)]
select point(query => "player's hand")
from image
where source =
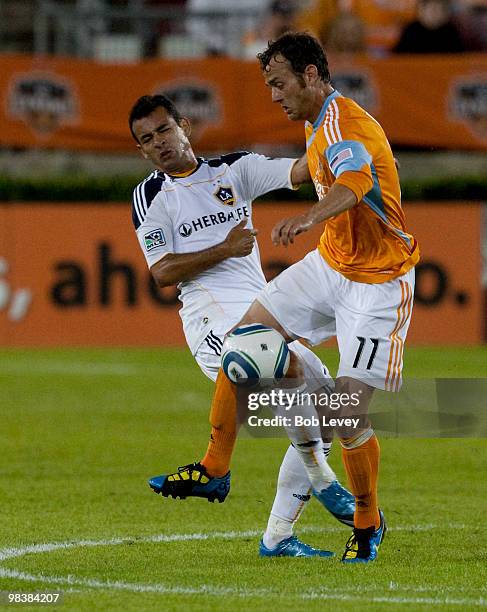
[(286, 230), (240, 240)]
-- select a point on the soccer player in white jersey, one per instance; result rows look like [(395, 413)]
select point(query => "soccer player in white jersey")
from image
[(193, 222)]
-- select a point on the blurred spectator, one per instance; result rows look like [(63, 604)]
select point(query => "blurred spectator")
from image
[(280, 18), (315, 16), (214, 24), (382, 20), (346, 34), (159, 28), (471, 19), (433, 31), (16, 29)]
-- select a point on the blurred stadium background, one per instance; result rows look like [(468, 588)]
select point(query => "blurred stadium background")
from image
[(70, 270)]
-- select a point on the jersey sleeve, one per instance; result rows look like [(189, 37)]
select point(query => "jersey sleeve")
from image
[(259, 174), (350, 136), (349, 162), (155, 232)]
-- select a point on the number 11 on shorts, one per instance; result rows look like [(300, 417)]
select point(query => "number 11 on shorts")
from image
[(362, 342)]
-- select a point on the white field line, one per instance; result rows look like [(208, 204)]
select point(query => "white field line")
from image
[(324, 593), (10, 553), (211, 590)]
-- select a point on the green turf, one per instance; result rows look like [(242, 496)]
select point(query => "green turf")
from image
[(81, 431)]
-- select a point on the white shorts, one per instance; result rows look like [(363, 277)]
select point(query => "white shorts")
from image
[(313, 301), (208, 355)]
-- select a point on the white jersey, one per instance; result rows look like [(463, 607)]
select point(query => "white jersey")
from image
[(195, 212)]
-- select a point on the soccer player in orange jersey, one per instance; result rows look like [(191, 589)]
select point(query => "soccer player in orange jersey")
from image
[(358, 284)]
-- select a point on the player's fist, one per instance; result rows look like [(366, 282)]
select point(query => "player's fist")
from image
[(240, 240), (286, 230)]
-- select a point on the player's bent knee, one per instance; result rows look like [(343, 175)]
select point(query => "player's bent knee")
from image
[(296, 370), (258, 314)]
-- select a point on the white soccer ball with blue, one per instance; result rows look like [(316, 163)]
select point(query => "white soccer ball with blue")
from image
[(252, 353)]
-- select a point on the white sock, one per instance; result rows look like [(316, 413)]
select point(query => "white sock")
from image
[(307, 440), (292, 496), (313, 457)]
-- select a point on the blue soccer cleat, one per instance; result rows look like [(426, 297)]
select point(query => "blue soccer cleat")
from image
[(338, 501), (363, 543), (292, 547), (191, 481)]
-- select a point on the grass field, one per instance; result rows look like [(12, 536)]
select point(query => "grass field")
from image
[(82, 430)]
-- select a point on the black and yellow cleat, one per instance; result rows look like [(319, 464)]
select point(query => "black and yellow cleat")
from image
[(191, 481), (363, 544)]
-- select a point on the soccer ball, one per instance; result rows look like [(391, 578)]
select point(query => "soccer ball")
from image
[(254, 352)]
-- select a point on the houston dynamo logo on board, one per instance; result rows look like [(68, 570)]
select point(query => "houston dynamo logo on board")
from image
[(195, 99), (44, 101), (359, 85), (468, 103)]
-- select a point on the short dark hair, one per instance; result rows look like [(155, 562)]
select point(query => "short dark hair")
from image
[(300, 49), (147, 105)]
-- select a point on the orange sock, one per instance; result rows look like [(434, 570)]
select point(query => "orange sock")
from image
[(362, 466), (223, 420)]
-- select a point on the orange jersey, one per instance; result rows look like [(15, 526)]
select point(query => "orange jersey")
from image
[(369, 242)]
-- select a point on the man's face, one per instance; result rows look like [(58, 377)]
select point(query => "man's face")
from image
[(288, 89), (164, 142), (433, 13)]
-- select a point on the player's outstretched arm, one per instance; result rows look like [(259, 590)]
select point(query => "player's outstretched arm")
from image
[(174, 268), (337, 200), (300, 171)]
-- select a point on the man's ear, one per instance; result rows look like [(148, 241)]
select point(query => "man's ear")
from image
[(144, 155), (185, 124), (311, 74)]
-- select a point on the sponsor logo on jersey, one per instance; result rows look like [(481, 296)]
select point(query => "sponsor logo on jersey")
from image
[(45, 102), (469, 104), (195, 225), (185, 230), (154, 239), (321, 190), (358, 86), (225, 196), (319, 181), (195, 99)]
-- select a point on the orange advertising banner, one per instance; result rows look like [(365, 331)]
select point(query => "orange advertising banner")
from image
[(73, 275), (51, 102)]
